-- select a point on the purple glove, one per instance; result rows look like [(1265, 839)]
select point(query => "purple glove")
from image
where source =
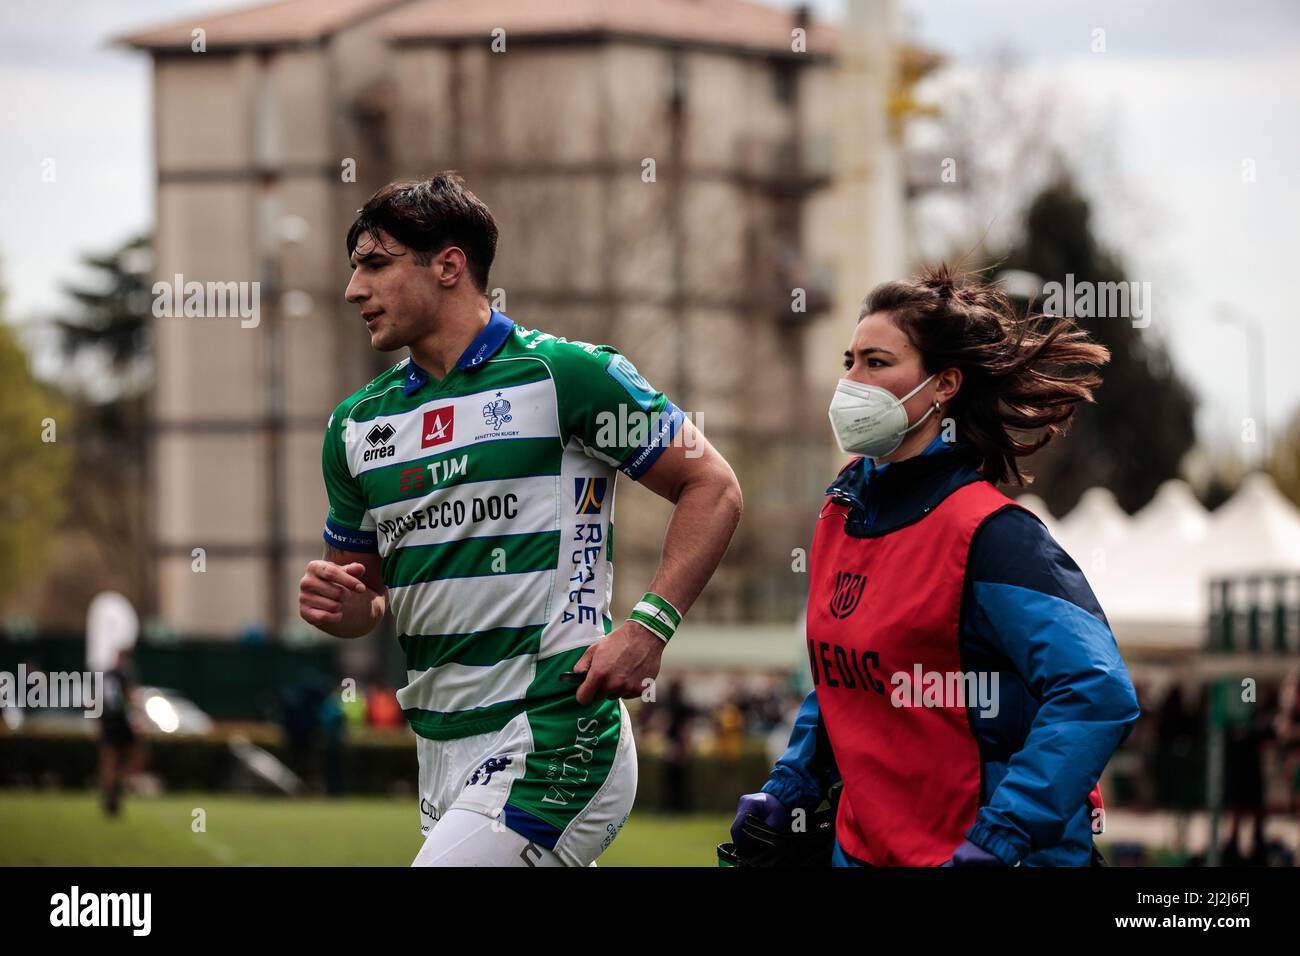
[(968, 854), (764, 806)]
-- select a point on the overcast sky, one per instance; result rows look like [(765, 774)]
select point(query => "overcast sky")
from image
[(1188, 89)]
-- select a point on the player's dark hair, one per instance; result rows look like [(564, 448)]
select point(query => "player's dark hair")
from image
[(1021, 374), (427, 216)]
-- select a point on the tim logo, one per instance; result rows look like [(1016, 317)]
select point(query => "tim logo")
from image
[(589, 495), (848, 591), (438, 424), (486, 769), (412, 479), (497, 412)]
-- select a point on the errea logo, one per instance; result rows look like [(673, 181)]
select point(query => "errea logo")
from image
[(438, 426), (378, 439)]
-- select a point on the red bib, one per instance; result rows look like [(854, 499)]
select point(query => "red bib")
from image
[(877, 607)]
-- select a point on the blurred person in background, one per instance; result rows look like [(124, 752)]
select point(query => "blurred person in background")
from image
[(1179, 757), (1248, 730), (301, 708), (1287, 731), (355, 711), (677, 749), (922, 569), (1174, 746), (382, 708), (730, 726), (121, 753), (333, 724)]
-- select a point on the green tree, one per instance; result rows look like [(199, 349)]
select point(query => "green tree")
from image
[(108, 333), (113, 321), (1141, 426), (34, 472)]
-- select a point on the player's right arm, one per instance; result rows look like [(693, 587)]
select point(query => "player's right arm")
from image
[(343, 594)]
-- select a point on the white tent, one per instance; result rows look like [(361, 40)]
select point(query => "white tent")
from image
[(1258, 529), (1093, 534), (1174, 515), (1151, 573), (1159, 576)]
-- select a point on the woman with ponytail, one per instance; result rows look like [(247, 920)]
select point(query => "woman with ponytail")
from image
[(967, 690)]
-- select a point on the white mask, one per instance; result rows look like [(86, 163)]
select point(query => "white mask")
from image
[(870, 420)]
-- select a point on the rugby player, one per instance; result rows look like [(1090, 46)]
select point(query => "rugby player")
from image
[(471, 491)]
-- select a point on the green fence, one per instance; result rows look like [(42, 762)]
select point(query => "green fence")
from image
[(229, 680), (1257, 613)]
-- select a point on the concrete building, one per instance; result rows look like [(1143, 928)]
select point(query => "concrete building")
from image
[(662, 173)]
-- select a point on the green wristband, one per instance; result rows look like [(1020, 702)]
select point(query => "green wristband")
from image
[(656, 615)]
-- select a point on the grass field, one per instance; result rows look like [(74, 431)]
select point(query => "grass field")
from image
[(70, 829)]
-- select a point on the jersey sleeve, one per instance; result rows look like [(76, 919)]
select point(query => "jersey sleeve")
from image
[(348, 526), (613, 412), (1033, 604)]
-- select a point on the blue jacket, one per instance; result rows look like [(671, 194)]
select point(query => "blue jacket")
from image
[(1066, 701)]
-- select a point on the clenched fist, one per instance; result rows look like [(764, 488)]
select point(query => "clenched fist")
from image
[(337, 598)]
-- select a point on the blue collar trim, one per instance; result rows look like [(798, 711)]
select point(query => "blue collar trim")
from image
[(485, 345), (936, 446), (854, 482), (415, 378)]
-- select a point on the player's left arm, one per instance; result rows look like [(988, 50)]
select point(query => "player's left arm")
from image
[(691, 474)]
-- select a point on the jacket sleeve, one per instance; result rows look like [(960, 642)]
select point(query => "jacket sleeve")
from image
[(806, 770), (1033, 605)]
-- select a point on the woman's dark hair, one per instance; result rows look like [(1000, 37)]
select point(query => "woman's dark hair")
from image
[(427, 216), (1021, 374)]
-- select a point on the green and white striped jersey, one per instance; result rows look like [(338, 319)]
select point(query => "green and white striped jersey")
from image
[(490, 497)]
